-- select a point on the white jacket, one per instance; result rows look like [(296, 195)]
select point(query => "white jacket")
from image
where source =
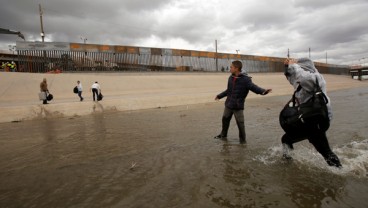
[(304, 73)]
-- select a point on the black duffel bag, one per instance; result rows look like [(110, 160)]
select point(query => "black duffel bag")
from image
[(49, 97), (296, 117), (75, 89)]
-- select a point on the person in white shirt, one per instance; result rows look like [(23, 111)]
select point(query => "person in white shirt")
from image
[(95, 88), (80, 89)]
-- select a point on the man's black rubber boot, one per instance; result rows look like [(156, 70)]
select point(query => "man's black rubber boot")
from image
[(220, 137)]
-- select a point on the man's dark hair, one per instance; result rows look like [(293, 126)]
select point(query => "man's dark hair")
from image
[(237, 64)]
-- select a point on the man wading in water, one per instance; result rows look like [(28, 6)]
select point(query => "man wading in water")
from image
[(238, 87)]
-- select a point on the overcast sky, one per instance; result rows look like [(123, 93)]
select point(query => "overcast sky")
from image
[(337, 28)]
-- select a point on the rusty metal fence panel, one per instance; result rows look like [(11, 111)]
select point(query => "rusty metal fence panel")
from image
[(74, 57)]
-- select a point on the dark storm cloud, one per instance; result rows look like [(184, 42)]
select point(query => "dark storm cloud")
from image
[(332, 26), (70, 18), (256, 27), (318, 4)]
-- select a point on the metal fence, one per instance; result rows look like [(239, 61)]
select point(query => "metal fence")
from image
[(74, 57)]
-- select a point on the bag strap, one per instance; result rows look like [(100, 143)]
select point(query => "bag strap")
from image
[(320, 92), (317, 92), (318, 87), (293, 98)]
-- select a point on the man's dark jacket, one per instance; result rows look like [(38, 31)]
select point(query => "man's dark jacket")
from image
[(237, 90)]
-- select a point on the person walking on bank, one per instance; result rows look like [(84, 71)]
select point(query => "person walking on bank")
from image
[(44, 90), (239, 84), (305, 78), (80, 89), (96, 89)]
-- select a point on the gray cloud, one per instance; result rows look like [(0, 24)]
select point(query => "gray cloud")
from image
[(255, 27)]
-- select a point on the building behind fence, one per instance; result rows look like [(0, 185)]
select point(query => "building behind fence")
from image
[(74, 57)]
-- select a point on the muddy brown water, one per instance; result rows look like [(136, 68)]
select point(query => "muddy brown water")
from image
[(167, 157)]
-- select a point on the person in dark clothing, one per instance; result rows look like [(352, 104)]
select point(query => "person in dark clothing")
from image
[(237, 90), (302, 72)]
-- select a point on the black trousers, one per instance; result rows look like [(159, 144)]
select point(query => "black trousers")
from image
[(239, 117), (94, 91), (80, 95), (317, 138)]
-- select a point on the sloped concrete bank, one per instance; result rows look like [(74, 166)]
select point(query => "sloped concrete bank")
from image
[(127, 91)]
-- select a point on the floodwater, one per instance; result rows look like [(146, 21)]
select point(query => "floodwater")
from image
[(167, 157)]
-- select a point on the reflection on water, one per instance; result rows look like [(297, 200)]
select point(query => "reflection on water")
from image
[(87, 162)]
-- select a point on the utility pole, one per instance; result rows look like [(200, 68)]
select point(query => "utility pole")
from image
[(42, 32), (43, 38), (309, 53), (84, 41), (288, 54), (216, 56), (326, 57)]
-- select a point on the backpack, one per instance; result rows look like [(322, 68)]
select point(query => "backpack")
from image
[(310, 115)]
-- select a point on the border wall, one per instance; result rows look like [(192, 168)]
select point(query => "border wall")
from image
[(44, 57)]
